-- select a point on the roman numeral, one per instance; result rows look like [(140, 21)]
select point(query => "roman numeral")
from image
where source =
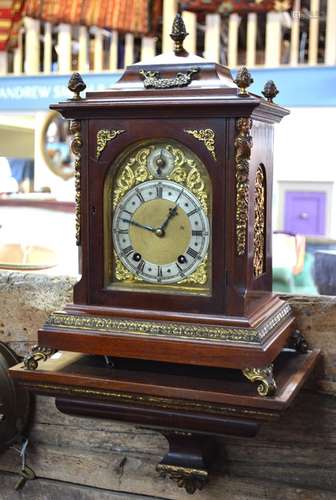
[(179, 196), (193, 212), (159, 190), (181, 273), (139, 195), (127, 211), (140, 266), (127, 250), (192, 253), (122, 231), (196, 233), (159, 273)]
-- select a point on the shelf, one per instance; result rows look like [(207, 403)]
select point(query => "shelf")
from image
[(140, 391)]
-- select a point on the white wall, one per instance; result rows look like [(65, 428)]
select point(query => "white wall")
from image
[(51, 229), (303, 152)]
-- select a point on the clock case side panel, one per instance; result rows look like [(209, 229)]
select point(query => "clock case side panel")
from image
[(259, 286), (142, 129), (248, 293)]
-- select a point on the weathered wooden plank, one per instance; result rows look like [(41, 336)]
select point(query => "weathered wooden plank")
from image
[(316, 318), (53, 428), (45, 489), (225, 488), (299, 450)]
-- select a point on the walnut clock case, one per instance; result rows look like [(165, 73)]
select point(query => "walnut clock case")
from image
[(174, 188), (173, 221)]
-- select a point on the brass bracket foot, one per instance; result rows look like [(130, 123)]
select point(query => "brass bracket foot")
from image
[(267, 385), (188, 459), (298, 342), (37, 354), (189, 479)]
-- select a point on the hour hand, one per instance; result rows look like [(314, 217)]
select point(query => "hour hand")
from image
[(143, 226), (172, 212)]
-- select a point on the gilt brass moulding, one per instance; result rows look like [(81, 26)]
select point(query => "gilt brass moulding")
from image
[(243, 146), (76, 145), (170, 329), (259, 223)]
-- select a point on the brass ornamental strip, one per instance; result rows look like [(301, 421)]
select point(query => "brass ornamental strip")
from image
[(155, 401), (170, 329)]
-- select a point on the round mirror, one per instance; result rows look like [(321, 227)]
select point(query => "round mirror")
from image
[(55, 145)]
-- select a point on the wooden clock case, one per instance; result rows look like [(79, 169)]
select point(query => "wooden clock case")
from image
[(241, 323), (177, 361)]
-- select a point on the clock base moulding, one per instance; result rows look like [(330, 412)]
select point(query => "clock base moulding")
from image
[(215, 341), (191, 406)]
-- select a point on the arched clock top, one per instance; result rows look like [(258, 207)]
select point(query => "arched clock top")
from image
[(159, 159), (158, 204)]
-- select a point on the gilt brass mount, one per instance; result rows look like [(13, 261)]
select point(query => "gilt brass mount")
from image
[(76, 85), (243, 146), (36, 355), (259, 223), (207, 136), (298, 342), (267, 385), (76, 144), (243, 80), (104, 137), (270, 91), (185, 477), (178, 34), (153, 79)]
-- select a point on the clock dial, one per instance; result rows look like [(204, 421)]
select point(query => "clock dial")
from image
[(160, 162), (160, 231)]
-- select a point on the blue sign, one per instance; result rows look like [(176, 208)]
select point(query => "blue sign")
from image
[(36, 93), (305, 86), (301, 86)]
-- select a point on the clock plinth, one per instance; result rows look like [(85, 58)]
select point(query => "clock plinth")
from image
[(175, 338), (173, 171)]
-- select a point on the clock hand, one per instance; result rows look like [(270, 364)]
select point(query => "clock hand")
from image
[(143, 226), (160, 162), (171, 214)]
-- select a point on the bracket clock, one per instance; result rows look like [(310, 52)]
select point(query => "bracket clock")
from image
[(173, 222)]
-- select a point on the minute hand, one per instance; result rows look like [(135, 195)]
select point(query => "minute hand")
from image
[(143, 226)]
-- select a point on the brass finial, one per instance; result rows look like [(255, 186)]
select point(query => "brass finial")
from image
[(178, 34), (243, 80), (76, 85), (270, 91)]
